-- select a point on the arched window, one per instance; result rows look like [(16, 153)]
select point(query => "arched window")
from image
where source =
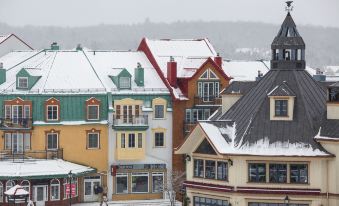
[(1, 192), (55, 189), (9, 184), (26, 185)]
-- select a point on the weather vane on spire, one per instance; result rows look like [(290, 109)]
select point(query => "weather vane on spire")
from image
[(289, 6)]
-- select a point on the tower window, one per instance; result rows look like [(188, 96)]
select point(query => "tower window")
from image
[(281, 108), (287, 54)]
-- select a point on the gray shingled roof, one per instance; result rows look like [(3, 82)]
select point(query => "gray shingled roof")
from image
[(240, 87), (251, 112), (281, 90), (330, 128)]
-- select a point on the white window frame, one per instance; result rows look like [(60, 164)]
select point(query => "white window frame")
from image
[(123, 85), (57, 136), (51, 191), (140, 174), (98, 140), (163, 181), (74, 180), (25, 186), (8, 141), (9, 187), (19, 85), (98, 112), (57, 110), (116, 183)]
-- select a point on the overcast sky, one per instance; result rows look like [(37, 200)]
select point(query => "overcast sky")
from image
[(93, 12)]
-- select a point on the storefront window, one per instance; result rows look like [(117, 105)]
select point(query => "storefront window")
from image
[(26, 185), (1, 192), (273, 204), (122, 183), (55, 189), (157, 182), (139, 182), (74, 181), (203, 201)]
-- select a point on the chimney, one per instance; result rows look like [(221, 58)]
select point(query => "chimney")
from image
[(79, 47), (172, 72), (218, 60), (139, 75), (319, 76), (260, 75), (2, 73), (55, 46)]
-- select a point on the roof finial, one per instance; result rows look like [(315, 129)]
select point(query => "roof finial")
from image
[(289, 6)]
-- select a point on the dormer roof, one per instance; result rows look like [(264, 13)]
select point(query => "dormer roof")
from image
[(281, 90)]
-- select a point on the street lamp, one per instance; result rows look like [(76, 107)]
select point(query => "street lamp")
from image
[(287, 201), (70, 176)]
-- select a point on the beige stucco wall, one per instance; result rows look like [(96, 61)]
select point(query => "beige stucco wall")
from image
[(228, 101), (332, 111)]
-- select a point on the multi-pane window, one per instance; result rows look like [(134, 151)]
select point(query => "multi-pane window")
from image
[(193, 115), (93, 140), (299, 173), (278, 173), (157, 182), (26, 185), (122, 140), (274, 204), (222, 171), (17, 142), (257, 172), (131, 140), (159, 112), (55, 190), (198, 168), (22, 82), (125, 82), (122, 183), (52, 141), (1, 192), (140, 182), (75, 182), (159, 140), (93, 112), (281, 108), (204, 201), (139, 140), (210, 169), (52, 112)]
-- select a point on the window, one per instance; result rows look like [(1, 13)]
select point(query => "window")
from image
[(52, 141), (27, 111), (27, 141), (274, 204), (22, 82), (193, 115), (93, 140), (139, 140), (122, 183), (157, 182), (281, 108), (222, 170), (93, 112), (159, 139), (26, 185), (55, 189), (139, 182), (9, 184), (198, 168), (8, 141), (1, 192), (8, 111), (188, 115), (299, 173), (210, 169), (17, 142), (131, 140), (278, 173), (75, 182), (52, 112), (159, 111), (203, 201), (125, 82), (257, 172), (123, 139), (117, 112)]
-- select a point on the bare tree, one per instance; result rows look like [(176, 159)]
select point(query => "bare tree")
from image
[(174, 186)]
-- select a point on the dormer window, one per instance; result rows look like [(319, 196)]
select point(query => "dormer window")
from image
[(281, 107), (52, 109), (93, 109), (125, 82), (23, 82)]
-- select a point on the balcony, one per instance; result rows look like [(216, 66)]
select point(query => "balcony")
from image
[(207, 100), (15, 123), (130, 122), (30, 155)]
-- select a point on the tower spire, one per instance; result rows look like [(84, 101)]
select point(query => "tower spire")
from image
[(289, 6)]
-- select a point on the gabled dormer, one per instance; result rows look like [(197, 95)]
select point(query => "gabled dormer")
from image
[(27, 77), (121, 78), (281, 102)]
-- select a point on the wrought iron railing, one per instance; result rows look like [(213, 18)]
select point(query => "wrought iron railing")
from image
[(30, 155), (207, 100), (15, 123), (132, 120)]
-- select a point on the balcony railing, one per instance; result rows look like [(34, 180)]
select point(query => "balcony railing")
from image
[(30, 155), (207, 100), (15, 123), (130, 120)]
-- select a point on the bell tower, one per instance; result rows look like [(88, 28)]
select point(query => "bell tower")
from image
[(288, 47)]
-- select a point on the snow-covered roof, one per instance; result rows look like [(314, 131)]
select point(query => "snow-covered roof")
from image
[(241, 70), (71, 71), (36, 169), (4, 37), (189, 54)]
